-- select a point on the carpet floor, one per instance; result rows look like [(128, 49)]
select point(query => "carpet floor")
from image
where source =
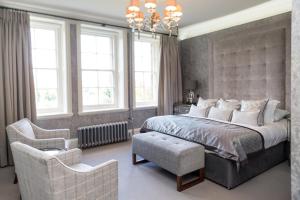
[(149, 182)]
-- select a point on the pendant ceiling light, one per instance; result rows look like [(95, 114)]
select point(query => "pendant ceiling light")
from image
[(150, 19)]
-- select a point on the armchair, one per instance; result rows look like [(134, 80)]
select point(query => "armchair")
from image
[(63, 177), (30, 134)]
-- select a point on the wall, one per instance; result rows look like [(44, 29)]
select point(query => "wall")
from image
[(139, 116), (295, 165), (199, 61)]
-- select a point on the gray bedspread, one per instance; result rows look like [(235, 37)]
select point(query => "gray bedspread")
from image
[(229, 141)]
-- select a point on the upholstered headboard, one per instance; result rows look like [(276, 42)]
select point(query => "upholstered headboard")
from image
[(251, 65)]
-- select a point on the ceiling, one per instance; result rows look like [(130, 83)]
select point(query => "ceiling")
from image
[(195, 11)]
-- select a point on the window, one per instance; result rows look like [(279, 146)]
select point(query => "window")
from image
[(146, 54), (100, 69), (49, 66)]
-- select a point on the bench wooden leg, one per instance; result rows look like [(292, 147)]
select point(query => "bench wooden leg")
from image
[(135, 162), (181, 186)]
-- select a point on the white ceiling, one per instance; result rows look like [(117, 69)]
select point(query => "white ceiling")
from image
[(113, 11)]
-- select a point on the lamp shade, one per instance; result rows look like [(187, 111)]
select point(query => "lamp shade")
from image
[(150, 4), (130, 14), (134, 6), (178, 11), (171, 5), (139, 17), (190, 84)]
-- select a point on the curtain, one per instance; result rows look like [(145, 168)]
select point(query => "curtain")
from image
[(170, 82), (17, 98)]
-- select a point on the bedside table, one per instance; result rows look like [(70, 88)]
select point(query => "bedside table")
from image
[(181, 109)]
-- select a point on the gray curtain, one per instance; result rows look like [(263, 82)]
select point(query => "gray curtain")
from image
[(170, 82), (17, 98)]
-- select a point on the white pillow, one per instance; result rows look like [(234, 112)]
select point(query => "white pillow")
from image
[(219, 114), (229, 104), (196, 111), (202, 103), (280, 114), (270, 111), (253, 106), (249, 118)]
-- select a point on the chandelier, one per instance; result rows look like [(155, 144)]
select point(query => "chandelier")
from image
[(151, 20)]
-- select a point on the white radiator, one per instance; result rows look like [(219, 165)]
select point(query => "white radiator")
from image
[(101, 134)]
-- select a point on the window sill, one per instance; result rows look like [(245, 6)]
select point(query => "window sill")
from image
[(54, 116), (145, 108), (104, 111)]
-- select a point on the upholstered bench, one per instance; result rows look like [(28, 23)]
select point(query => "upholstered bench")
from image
[(178, 156)]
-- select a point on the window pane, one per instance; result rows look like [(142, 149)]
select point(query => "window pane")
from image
[(146, 66), (106, 79), (44, 58), (45, 79), (43, 39), (47, 98), (89, 61), (139, 79), (97, 55), (139, 94), (48, 66), (88, 44), (106, 61), (104, 45), (89, 79), (90, 96), (143, 56), (106, 96)]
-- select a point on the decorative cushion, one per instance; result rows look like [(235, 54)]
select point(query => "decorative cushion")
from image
[(256, 105), (229, 104), (196, 111), (206, 103), (250, 118), (280, 114), (270, 110), (219, 114)]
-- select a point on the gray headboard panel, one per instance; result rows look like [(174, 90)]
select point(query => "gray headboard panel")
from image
[(250, 66)]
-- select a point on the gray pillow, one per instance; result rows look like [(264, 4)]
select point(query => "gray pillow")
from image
[(219, 114), (206, 103), (229, 104), (270, 111), (280, 114), (255, 105), (196, 111), (249, 118)]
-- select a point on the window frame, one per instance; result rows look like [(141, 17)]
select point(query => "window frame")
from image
[(155, 70), (119, 70), (62, 44)]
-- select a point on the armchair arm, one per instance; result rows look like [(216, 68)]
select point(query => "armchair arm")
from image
[(58, 143), (70, 157), (41, 133), (100, 182)]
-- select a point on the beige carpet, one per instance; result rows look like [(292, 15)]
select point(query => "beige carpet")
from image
[(149, 182)]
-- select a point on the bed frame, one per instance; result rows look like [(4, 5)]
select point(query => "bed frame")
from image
[(225, 172)]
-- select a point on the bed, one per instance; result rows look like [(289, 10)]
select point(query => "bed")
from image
[(234, 152)]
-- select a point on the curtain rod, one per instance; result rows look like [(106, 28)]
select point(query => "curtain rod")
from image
[(81, 20)]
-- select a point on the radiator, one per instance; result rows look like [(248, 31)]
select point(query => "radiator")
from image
[(101, 134)]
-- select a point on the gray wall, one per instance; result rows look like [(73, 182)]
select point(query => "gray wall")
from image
[(201, 60), (296, 101), (139, 116)]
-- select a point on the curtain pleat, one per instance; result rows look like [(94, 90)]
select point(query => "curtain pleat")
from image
[(17, 98), (170, 81)]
